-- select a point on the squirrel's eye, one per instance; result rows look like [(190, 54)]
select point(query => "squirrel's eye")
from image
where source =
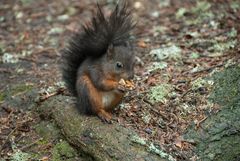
[(119, 65)]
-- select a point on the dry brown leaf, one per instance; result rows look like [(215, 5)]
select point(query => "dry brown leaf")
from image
[(142, 44), (178, 143), (45, 158)]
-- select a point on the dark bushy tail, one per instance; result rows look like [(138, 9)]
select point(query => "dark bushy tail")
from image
[(94, 41)]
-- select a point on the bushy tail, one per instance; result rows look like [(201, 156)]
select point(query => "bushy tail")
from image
[(94, 41)]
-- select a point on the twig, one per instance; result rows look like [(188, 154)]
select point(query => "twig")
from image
[(4, 70), (148, 102), (45, 97), (199, 122), (185, 93), (29, 145), (39, 51), (7, 109), (4, 143)]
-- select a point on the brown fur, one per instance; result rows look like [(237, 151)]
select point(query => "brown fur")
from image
[(96, 96)]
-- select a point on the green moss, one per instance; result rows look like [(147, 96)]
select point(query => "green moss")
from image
[(20, 88), (194, 55), (27, 2), (20, 156), (180, 13), (15, 90), (235, 5), (201, 6), (63, 151), (2, 46), (223, 46), (215, 47), (200, 82), (232, 33), (138, 140), (227, 87), (47, 130), (9, 58), (157, 66), (2, 96), (159, 93), (168, 52), (200, 13), (42, 142), (203, 17), (152, 148)]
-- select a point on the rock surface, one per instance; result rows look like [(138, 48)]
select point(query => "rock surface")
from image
[(90, 136)]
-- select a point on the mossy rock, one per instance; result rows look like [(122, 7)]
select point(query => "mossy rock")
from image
[(21, 96), (14, 90), (62, 151), (227, 88), (92, 138), (219, 136), (48, 130)]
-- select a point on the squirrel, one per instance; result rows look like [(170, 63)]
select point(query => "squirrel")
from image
[(97, 58)]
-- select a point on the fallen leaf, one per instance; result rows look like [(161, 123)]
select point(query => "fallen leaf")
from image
[(142, 44), (178, 143), (45, 158)]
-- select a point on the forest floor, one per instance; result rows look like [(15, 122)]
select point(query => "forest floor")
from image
[(178, 44)]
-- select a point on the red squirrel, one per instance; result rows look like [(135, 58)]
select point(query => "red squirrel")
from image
[(97, 58)]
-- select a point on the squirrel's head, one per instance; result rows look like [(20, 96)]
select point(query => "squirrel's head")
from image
[(119, 62)]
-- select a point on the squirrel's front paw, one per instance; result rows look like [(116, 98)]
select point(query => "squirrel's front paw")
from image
[(121, 88)]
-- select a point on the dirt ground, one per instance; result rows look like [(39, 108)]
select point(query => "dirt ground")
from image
[(177, 43)]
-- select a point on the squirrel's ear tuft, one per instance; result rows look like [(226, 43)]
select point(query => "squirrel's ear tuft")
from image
[(110, 51)]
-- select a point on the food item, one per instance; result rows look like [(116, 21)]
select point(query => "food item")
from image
[(128, 84)]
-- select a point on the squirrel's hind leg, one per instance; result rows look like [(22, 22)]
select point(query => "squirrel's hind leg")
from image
[(94, 97)]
